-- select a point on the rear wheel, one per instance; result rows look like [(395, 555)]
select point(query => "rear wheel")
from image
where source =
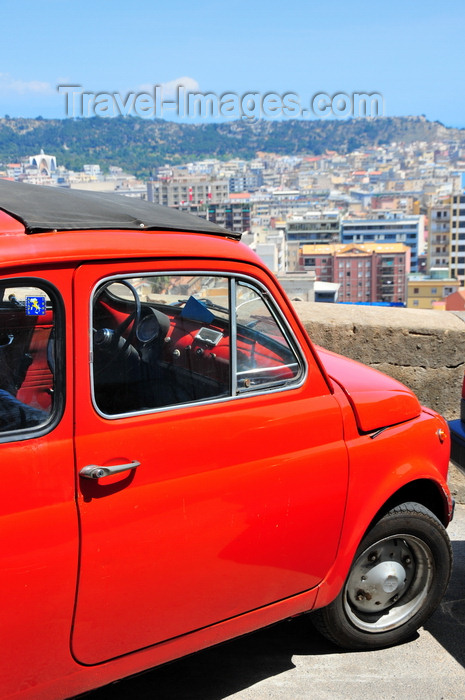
[(399, 575)]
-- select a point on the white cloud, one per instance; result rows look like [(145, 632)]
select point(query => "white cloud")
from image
[(10, 85), (170, 88)]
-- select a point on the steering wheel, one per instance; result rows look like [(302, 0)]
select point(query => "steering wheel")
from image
[(116, 337)]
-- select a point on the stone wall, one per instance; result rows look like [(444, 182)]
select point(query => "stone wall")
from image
[(423, 349)]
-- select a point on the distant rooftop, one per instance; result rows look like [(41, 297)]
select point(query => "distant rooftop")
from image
[(352, 249)]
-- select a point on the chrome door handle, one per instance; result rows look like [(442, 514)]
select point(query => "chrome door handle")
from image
[(93, 471)]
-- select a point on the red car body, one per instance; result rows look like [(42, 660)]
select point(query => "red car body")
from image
[(236, 509)]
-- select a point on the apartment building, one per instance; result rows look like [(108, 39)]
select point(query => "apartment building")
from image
[(446, 239), (457, 237), (270, 246), (430, 291), (249, 182), (175, 192), (366, 273), (315, 227), (387, 227), (439, 236), (231, 215)]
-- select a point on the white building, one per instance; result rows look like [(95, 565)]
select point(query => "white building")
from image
[(45, 164)]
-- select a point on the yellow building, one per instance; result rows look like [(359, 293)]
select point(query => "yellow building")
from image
[(429, 292)]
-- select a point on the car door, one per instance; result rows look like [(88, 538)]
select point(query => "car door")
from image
[(212, 469), (38, 524)]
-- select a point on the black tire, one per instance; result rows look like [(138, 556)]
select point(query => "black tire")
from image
[(398, 577)]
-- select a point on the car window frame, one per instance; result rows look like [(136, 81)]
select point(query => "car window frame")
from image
[(235, 394), (268, 300), (59, 375)]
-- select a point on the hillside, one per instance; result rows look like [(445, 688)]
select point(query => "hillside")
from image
[(139, 145)]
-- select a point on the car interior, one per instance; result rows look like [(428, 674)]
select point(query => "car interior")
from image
[(173, 345)]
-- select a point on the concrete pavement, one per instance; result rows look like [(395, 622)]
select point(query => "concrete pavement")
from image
[(290, 661)]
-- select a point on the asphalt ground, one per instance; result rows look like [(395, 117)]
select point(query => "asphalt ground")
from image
[(291, 661)]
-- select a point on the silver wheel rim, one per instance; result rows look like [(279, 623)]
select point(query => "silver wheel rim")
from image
[(388, 583)]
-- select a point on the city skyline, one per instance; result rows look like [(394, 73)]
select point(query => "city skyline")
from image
[(410, 54), (300, 213)]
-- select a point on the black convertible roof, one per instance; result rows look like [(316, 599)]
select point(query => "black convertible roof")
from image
[(43, 209)]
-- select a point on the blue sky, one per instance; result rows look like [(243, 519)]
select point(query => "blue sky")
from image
[(410, 52)]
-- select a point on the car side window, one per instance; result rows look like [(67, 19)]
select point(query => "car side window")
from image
[(168, 340), (160, 341), (265, 356), (27, 356)]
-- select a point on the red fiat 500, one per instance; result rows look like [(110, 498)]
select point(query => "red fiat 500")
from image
[(179, 464)]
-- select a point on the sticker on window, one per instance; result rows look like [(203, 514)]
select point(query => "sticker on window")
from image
[(35, 306)]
